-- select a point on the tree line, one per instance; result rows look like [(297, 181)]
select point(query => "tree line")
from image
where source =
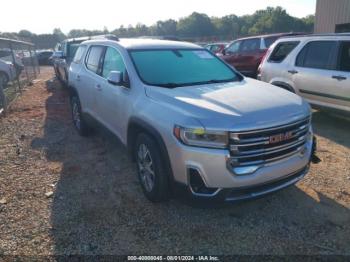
[(195, 27)]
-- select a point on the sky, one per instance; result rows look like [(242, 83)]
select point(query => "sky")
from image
[(40, 16)]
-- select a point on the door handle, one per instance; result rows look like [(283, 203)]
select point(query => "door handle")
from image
[(98, 87), (339, 78), (293, 72)]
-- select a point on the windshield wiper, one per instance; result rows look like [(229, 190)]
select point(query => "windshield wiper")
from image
[(168, 85), (215, 81)]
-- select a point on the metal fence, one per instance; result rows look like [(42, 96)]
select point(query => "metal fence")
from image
[(18, 68)]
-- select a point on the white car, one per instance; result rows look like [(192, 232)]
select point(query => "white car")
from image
[(316, 67), (190, 119)]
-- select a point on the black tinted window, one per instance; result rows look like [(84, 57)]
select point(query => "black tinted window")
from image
[(94, 58), (281, 51), (251, 45), (79, 54), (344, 57), (317, 54), (270, 40)]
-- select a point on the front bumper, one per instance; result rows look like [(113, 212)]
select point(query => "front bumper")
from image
[(211, 165), (244, 193)]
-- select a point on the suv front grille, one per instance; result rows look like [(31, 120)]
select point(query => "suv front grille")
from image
[(266, 145)]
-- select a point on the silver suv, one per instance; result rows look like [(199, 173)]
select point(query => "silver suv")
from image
[(189, 119), (316, 67)]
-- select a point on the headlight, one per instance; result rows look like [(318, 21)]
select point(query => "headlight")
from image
[(201, 137)]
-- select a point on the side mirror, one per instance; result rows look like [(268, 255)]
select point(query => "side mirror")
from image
[(115, 78), (224, 52)]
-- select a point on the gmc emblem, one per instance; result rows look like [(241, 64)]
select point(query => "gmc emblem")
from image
[(280, 137)]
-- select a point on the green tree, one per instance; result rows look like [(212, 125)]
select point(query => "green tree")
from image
[(197, 25), (59, 34)]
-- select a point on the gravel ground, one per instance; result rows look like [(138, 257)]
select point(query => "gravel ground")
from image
[(64, 194)]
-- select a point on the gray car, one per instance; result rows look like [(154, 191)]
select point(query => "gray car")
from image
[(7, 72), (316, 67), (190, 120)]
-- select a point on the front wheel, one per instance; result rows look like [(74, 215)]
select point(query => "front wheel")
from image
[(151, 171)]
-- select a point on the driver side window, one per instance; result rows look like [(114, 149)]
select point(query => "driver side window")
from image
[(113, 61)]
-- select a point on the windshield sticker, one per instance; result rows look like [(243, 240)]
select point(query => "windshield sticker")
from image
[(203, 54)]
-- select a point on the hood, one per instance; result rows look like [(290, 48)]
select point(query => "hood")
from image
[(249, 104)]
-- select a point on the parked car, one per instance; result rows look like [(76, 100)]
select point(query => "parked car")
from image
[(246, 54), (190, 119), (64, 54), (7, 72), (216, 48), (316, 67), (44, 57), (6, 55)]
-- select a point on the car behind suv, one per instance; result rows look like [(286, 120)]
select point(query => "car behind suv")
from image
[(190, 119), (64, 54), (7, 72), (316, 67), (245, 54)]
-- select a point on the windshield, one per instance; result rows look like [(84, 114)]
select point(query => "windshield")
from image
[(178, 67)]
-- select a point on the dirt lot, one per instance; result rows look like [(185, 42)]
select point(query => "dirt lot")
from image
[(97, 206)]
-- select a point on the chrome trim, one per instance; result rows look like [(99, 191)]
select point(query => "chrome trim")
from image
[(263, 162), (200, 174), (257, 144), (261, 152), (273, 128)]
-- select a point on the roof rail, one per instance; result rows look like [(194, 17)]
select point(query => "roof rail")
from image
[(85, 38), (325, 34)]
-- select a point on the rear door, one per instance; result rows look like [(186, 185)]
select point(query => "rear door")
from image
[(91, 79), (314, 71)]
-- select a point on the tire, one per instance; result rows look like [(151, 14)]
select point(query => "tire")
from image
[(79, 122), (156, 189), (4, 79), (285, 87)]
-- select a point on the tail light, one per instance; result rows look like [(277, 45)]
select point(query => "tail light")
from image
[(266, 55)]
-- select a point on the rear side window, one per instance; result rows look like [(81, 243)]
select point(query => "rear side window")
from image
[(251, 45), (281, 51), (344, 57), (269, 41), (317, 54), (79, 54), (94, 58)]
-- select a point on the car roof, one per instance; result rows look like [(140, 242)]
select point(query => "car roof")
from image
[(136, 43), (270, 35), (218, 43)]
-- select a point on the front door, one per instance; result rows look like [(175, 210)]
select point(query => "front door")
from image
[(110, 98)]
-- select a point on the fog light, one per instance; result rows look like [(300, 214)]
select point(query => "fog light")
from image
[(197, 184)]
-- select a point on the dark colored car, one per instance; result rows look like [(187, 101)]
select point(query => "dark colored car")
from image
[(246, 54), (216, 48), (44, 57), (65, 52), (6, 55)]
